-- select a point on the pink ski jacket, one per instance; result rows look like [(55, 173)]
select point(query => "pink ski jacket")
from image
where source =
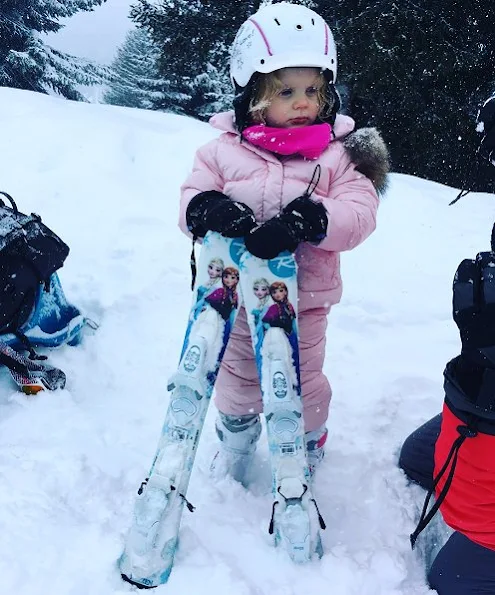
[(267, 182)]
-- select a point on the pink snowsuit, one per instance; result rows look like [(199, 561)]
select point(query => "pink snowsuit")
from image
[(266, 183)]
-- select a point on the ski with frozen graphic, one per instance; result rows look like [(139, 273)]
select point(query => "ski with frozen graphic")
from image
[(269, 289), (153, 538)]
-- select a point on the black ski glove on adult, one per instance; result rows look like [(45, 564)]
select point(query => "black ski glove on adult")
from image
[(302, 220), (486, 126), (213, 211), (470, 378), (474, 303)]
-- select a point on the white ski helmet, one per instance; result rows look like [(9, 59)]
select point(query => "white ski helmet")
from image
[(279, 36)]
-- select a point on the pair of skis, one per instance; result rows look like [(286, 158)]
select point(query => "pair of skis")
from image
[(228, 277)]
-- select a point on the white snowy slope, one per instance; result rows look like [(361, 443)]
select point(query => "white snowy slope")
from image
[(107, 180)]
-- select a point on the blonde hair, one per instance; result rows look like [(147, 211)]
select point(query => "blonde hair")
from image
[(261, 281), (269, 86), (218, 262)]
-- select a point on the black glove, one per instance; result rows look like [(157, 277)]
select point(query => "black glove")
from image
[(213, 211), (474, 305), (470, 377), (302, 220), (486, 126)]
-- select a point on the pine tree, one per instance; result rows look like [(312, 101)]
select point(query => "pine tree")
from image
[(189, 33), (136, 81), (26, 62), (417, 70)]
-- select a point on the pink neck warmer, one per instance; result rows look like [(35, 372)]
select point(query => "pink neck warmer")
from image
[(309, 141)]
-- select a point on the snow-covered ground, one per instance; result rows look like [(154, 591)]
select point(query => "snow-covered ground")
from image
[(107, 180)]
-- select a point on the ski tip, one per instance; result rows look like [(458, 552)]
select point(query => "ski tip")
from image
[(135, 584)]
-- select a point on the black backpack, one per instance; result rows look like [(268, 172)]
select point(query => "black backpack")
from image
[(29, 254)]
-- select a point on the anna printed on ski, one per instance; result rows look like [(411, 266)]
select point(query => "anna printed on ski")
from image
[(288, 172), (224, 299), (281, 314)]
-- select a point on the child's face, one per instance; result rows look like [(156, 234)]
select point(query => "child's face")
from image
[(260, 291), (296, 104)]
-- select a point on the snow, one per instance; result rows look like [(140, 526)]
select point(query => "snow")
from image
[(107, 180)]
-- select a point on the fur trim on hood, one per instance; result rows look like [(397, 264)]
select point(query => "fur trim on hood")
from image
[(368, 151)]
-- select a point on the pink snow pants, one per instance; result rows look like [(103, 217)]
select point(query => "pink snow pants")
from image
[(238, 389)]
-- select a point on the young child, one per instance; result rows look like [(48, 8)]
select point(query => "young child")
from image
[(286, 174)]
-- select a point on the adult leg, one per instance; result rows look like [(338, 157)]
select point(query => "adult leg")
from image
[(463, 567), (417, 453)]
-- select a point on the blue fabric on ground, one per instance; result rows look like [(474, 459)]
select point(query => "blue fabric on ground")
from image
[(53, 322)]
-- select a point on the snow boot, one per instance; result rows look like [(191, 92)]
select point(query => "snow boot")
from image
[(238, 437), (315, 447)]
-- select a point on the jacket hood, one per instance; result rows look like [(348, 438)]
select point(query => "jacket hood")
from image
[(368, 151), (224, 121)]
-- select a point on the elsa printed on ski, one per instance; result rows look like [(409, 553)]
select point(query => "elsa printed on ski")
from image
[(261, 289), (215, 270)]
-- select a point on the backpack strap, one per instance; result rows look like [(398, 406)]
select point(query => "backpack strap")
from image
[(27, 344), (11, 200)]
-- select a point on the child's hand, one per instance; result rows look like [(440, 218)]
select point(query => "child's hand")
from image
[(213, 211), (302, 220)]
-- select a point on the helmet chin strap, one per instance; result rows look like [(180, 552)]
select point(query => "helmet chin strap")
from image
[(337, 104)]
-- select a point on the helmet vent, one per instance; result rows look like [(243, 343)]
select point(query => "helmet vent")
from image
[(299, 27), (262, 61), (277, 21), (313, 21)]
